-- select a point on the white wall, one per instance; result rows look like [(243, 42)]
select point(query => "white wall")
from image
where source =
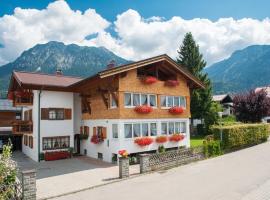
[(112, 145)]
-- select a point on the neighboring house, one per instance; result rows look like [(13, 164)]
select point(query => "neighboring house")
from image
[(267, 90), (59, 109), (8, 114), (226, 101)]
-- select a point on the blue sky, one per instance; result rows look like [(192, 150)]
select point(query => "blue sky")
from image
[(187, 9), (134, 29)]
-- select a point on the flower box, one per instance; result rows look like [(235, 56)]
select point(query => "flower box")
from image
[(149, 80), (161, 139), (96, 140), (176, 137), (176, 110), (171, 83), (143, 109), (56, 155), (10, 96), (144, 141)]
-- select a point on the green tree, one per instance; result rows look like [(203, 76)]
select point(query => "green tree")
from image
[(189, 56)]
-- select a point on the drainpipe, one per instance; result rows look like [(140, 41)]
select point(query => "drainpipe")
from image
[(39, 95)]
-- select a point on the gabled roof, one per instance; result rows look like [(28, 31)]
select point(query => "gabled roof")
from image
[(141, 63), (221, 97), (39, 80)]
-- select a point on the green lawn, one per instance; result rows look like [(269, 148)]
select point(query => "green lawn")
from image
[(196, 141)]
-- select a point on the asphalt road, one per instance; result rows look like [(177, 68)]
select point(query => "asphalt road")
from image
[(242, 175)]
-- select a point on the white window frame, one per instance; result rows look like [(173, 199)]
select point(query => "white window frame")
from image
[(117, 128), (111, 102), (174, 122), (166, 101), (140, 123), (148, 99)]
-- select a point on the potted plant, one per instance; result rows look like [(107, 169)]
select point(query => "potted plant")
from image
[(176, 110), (177, 137), (143, 141), (171, 83), (84, 136), (161, 149), (161, 139), (144, 109), (149, 80), (123, 153)]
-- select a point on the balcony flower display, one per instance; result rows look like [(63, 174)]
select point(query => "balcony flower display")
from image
[(171, 83), (10, 95), (149, 80), (143, 141), (96, 139), (176, 110), (123, 153), (177, 137), (161, 139), (143, 109), (56, 155)]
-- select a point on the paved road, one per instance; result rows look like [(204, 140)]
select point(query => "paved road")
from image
[(242, 175)]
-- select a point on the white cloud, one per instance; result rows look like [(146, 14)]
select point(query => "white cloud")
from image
[(27, 27), (135, 37)]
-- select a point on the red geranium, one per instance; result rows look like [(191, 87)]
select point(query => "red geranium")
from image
[(150, 80), (172, 83), (123, 153), (161, 139), (143, 109), (177, 137), (176, 110), (96, 140), (144, 141)]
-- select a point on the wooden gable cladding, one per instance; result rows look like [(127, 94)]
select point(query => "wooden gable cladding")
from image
[(86, 103)]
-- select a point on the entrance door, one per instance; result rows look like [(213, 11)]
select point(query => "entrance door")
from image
[(17, 143)]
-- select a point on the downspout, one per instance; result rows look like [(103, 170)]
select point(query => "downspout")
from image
[(39, 95)]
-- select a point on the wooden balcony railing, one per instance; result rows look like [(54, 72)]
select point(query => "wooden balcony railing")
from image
[(22, 127), (23, 101)]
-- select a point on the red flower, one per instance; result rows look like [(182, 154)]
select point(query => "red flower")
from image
[(10, 95), (96, 140), (176, 137), (176, 110), (143, 109), (144, 141), (56, 155), (123, 153), (172, 83), (161, 139), (150, 80)]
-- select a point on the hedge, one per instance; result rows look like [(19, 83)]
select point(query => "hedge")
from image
[(240, 135)]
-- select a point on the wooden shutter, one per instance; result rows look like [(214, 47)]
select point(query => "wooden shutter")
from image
[(44, 113), (104, 132), (68, 113), (86, 130), (30, 115), (30, 142), (81, 130), (26, 115), (94, 130)]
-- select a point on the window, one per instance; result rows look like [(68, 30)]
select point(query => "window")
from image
[(170, 101), (56, 114), (25, 140), (127, 99), (136, 130), (173, 127), (136, 99), (128, 130), (115, 130), (50, 143), (112, 102), (100, 156), (30, 141), (164, 128), (145, 129), (153, 129)]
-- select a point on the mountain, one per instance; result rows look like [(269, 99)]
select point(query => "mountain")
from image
[(72, 59), (243, 70)]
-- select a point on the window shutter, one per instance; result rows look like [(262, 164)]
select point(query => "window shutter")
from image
[(44, 113), (30, 115), (86, 130), (81, 130), (68, 113), (104, 132), (95, 131)]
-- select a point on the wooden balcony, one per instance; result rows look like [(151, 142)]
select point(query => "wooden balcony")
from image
[(23, 101), (20, 127)]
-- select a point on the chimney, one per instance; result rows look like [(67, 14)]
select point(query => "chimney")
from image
[(59, 71), (111, 64)]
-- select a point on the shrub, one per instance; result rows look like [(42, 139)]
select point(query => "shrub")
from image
[(200, 129), (240, 135), (212, 148), (161, 149)]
